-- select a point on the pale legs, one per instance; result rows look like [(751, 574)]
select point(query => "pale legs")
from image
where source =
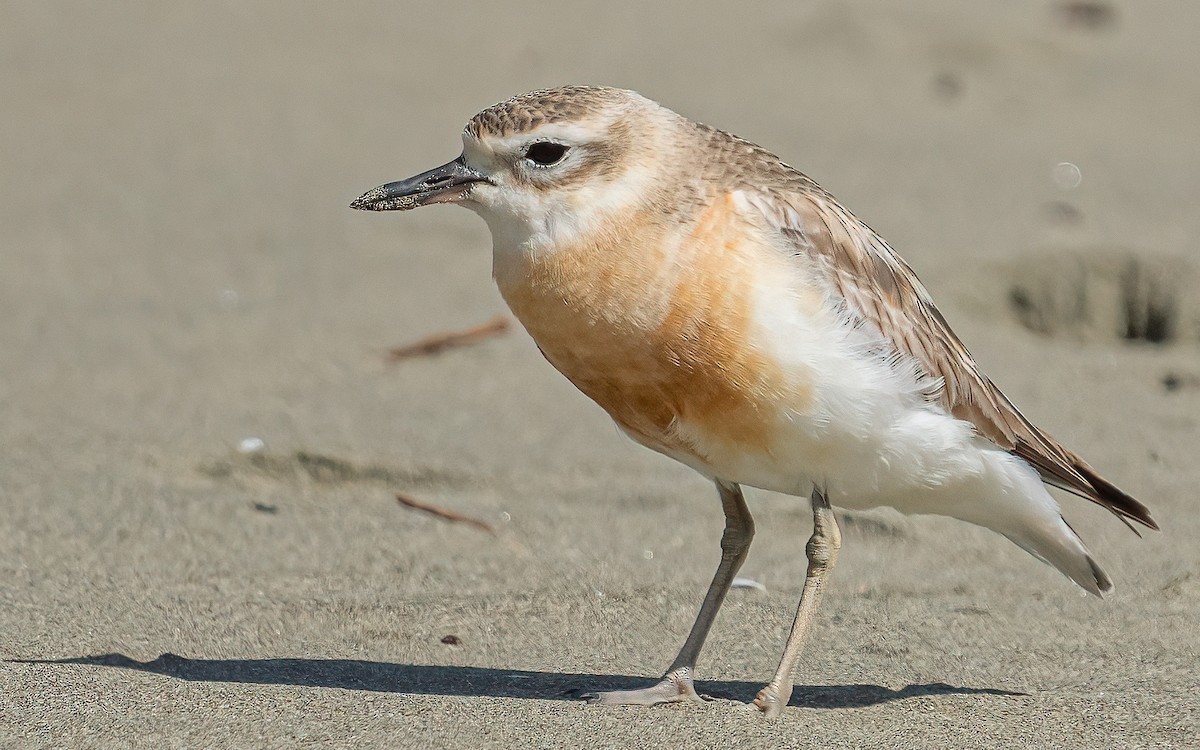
[(677, 684), (822, 552)]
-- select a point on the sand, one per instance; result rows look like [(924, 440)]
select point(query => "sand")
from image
[(179, 273)]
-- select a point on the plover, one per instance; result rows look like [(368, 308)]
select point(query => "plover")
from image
[(729, 313)]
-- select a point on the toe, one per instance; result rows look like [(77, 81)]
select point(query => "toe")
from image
[(672, 689), (771, 700)]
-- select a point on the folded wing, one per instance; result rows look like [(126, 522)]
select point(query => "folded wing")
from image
[(879, 289)]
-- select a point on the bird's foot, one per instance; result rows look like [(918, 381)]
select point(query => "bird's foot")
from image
[(676, 687), (772, 699)]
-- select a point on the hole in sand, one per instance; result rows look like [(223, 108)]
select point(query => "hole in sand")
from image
[(1100, 294)]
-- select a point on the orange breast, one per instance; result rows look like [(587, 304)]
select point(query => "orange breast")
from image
[(654, 323)]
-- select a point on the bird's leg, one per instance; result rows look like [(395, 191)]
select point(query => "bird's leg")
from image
[(822, 552), (677, 684)]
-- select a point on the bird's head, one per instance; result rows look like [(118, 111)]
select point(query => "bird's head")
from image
[(547, 167)]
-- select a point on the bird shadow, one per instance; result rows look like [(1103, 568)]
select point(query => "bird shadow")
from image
[(422, 679)]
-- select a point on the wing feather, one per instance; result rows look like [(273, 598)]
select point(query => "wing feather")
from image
[(879, 289)]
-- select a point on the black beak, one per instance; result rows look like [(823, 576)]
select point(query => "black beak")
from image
[(446, 184)]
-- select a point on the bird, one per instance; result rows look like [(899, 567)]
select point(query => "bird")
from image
[(729, 313)]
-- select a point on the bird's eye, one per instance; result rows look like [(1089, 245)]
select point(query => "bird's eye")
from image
[(545, 153)]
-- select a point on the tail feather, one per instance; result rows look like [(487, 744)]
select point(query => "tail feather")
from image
[(1103, 582), (1057, 545), (1115, 499), (1012, 500), (1067, 471)]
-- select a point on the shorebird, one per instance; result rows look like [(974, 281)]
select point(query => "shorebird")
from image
[(729, 313)]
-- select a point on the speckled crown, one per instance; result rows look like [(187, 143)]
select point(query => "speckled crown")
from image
[(525, 112)]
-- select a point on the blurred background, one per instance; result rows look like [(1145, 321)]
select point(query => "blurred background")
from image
[(200, 433)]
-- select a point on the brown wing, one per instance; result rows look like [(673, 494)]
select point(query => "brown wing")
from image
[(881, 290)]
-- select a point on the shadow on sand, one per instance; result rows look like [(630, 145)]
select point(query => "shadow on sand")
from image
[(352, 674)]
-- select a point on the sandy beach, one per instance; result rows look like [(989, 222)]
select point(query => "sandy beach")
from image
[(201, 436)]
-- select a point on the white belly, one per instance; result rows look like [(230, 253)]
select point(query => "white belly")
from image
[(868, 434)]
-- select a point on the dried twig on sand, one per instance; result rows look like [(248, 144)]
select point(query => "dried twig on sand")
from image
[(446, 515), (441, 341)]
